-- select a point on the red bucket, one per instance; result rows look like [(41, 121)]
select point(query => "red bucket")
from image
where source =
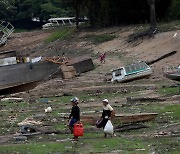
[(78, 129)]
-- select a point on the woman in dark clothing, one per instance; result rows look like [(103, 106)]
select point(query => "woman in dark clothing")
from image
[(74, 116), (107, 114)]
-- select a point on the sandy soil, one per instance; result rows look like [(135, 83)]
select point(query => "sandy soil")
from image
[(25, 41), (119, 53)]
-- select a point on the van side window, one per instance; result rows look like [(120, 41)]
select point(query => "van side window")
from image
[(118, 72)]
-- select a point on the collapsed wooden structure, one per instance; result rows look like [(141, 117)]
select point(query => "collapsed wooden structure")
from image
[(81, 64)]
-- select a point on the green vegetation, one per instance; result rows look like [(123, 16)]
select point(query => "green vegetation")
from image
[(174, 11), (114, 144), (169, 90), (20, 30), (100, 13), (162, 26), (136, 141), (60, 34), (34, 148), (171, 111), (97, 39), (168, 26), (95, 143), (162, 145), (168, 112)]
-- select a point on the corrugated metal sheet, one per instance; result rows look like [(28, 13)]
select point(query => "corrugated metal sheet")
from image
[(7, 54)]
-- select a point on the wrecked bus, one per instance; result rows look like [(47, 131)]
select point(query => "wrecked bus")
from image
[(131, 72)]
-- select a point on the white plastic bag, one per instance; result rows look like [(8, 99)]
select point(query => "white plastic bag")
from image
[(49, 109), (109, 129)]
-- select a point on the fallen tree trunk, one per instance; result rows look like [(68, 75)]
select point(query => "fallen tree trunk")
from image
[(144, 99), (162, 57)]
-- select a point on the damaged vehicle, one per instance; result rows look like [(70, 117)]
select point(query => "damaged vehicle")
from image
[(173, 73), (131, 72)]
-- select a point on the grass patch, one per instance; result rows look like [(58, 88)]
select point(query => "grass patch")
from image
[(162, 27), (164, 145), (61, 34), (35, 148), (60, 100), (98, 39), (21, 30), (115, 144), (172, 111), (94, 143), (169, 90), (168, 112), (168, 26)]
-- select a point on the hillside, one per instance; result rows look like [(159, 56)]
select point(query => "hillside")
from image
[(119, 51)]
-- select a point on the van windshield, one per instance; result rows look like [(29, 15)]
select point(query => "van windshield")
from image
[(118, 72)]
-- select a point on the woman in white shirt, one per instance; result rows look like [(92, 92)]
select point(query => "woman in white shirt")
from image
[(107, 114)]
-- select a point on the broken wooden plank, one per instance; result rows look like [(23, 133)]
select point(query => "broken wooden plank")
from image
[(133, 118), (144, 99), (12, 99), (6, 54)]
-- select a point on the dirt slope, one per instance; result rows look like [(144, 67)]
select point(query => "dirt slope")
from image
[(119, 53), (25, 41), (145, 50)]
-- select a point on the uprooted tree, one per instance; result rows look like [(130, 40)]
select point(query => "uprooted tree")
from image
[(153, 25)]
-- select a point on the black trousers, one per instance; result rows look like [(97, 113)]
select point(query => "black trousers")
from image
[(102, 123)]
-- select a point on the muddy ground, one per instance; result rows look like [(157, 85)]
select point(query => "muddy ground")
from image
[(162, 134)]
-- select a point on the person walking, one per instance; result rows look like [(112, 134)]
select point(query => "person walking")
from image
[(108, 113), (103, 58), (74, 116)]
